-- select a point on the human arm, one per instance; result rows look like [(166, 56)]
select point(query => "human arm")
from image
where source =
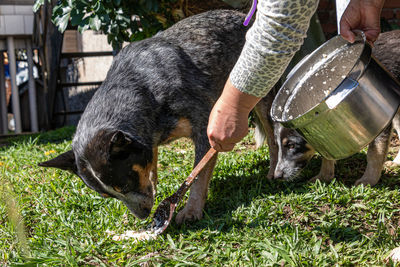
[(276, 35)]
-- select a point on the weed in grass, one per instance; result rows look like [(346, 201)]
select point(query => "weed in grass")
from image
[(16, 224)]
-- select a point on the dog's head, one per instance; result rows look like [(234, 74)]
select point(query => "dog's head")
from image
[(114, 165), (294, 153)]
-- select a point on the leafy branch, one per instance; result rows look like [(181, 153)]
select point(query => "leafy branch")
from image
[(121, 20)]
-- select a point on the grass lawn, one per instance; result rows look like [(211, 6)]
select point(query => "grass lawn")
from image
[(248, 220)]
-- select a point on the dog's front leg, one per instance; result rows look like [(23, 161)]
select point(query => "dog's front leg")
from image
[(193, 209), (396, 126), (153, 172), (327, 171), (376, 157), (265, 126)]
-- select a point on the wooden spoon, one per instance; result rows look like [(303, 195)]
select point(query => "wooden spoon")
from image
[(163, 215)]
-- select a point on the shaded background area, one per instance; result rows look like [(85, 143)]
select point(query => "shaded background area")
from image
[(72, 65)]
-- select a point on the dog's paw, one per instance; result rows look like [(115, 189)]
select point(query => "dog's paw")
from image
[(270, 174), (367, 180), (392, 164), (188, 214)]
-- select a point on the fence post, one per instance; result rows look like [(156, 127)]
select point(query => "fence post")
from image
[(14, 88), (3, 97), (32, 88)]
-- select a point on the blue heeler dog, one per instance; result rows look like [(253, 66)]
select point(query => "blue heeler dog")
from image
[(158, 90)]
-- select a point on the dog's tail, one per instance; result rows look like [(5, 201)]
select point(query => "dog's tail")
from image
[(259, 133)]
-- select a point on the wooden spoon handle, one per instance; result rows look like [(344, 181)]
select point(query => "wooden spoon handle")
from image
[(199, 167)]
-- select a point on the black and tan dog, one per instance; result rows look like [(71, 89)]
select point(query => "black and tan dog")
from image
[(294, 153), (157, 90)]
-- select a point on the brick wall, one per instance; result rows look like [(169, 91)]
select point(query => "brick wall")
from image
[(391, 13), (390, 17)]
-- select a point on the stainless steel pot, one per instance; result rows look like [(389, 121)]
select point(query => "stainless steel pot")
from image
[(339, 98)]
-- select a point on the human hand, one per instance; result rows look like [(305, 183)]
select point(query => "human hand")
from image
[(362, 15), (226, 126), (228, 121)]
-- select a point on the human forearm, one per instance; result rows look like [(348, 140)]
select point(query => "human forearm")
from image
[(277, 33), (238, 100)]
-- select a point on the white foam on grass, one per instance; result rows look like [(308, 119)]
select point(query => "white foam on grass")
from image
[(135, 235)]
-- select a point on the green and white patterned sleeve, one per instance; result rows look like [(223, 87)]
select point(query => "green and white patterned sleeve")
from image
[(277, 33)]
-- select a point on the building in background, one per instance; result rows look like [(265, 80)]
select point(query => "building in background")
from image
[(85, 60), (16, 30)]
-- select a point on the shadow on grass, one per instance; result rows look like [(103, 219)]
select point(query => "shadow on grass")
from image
[(339, 233), (228, 193), (349, 170)]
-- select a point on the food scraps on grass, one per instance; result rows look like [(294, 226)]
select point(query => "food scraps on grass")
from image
[(136, 236)]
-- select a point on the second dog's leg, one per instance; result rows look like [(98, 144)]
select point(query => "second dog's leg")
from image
[(327, 171), (193, 209), (376, 156)]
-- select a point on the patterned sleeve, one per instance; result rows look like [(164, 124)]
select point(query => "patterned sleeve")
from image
[(277, 33)]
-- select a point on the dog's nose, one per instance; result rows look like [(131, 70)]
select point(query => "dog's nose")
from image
[(278, 174), (146, 212), (141, 213)]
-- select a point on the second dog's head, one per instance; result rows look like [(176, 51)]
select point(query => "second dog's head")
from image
[(294, 153), (115, 165)]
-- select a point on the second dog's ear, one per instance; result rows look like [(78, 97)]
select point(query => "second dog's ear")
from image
[(65, 161)]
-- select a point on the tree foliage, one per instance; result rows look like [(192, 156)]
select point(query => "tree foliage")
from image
[(121, 20)]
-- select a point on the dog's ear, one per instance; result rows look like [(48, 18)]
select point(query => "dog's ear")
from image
[(65, 161), (121, 145)]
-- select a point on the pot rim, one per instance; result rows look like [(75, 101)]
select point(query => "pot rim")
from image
[(356, 71)]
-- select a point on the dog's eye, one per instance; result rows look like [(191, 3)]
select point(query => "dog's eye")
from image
[(290, 145)]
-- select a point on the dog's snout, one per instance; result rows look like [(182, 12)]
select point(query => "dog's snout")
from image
[(140, 211), (146, 211), (140, 205), (278, 174), (141, 215)]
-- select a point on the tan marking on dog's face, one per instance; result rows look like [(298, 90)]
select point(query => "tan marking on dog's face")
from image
[(309, 154), (183, 129), (145, 183), (118, 189), (284, 141)]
